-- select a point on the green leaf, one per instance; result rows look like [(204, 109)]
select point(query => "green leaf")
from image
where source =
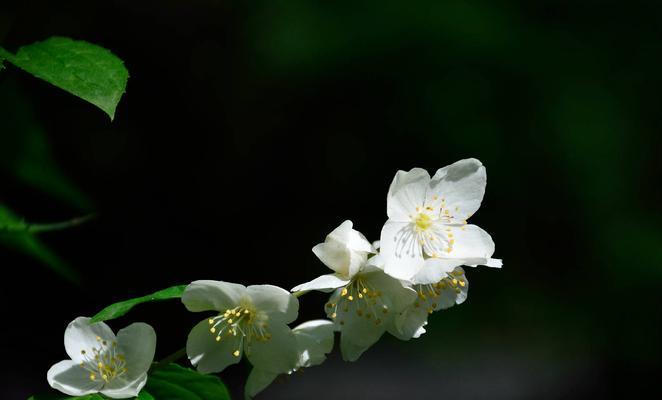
[(118, 309), (28, 243), (144, 395), (81, 68), (174, 382)]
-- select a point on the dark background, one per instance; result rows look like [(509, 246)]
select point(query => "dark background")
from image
[(250, 129)]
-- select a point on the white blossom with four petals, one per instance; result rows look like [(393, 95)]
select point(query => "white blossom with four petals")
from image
[(115, 366), (249, 320), (428, 218)]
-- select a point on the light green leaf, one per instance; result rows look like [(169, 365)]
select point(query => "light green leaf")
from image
[(28, 243), (81, 68), (174, 382), (118, 309)]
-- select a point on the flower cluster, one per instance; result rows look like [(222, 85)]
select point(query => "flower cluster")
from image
[(389, 286)]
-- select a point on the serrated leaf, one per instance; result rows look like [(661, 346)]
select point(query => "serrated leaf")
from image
[(28, 243), (174, 382), (83, 69), (118, 309)]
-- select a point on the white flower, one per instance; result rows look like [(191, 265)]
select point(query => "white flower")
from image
[(251, 320), (101, 362), (344, 251), (314, 340), (428, 218), (439, 285), (365, 300)]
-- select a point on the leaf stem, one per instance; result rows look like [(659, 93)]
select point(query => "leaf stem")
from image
[(37, 228), (170, 358)]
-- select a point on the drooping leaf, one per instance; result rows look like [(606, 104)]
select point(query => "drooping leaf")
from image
[(25, 152), (28, 243), (83, 69), (174, 382), (116, 310)]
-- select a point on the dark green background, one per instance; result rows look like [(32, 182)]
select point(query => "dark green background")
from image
[(250, 129)]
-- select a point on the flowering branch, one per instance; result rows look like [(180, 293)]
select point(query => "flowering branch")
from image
[(388, 286)]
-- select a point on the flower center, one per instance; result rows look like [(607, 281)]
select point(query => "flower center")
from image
[(428, 295), (361, 298), (244, 321), (104, 362), (423, 222)]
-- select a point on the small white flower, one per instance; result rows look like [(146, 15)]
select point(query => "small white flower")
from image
[(251, 320), (428, 218), (101, 362), (314, 340), (439, 285), (344, 251), (365, 300)]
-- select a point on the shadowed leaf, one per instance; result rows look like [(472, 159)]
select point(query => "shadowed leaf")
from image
[(28, 243), (174, 382)]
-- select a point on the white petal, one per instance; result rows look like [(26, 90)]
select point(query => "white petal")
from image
[(257, 381), (402, 254), (410, 323), (70, 378), (334, 255), (396, 294), (435, 269), (121, 389), (407, 191), (471, 242), (447, 298), (344, 250), (206, 295), (492, 263), (357, 335), (277, 302), (137, 342), (324, 283), (277, 354), (464, 289), (376, 244), (351, 238), (80, 336), (314, 341), (207, 354), (461, 185)]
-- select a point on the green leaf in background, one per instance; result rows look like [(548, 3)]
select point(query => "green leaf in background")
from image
[(118, 309), (28, 243), (25, 152), (144, 395), (81, 68), (174, 382)]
